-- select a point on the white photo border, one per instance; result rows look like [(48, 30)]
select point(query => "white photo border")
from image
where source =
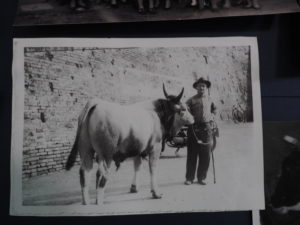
[(16, 206)]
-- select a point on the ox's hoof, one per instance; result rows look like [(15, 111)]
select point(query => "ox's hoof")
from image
[(151, 11), (72, 5), (155, 195), (114, 5), (248, 6), (256, 6), (86, 203), (99, 202), (226, 6), (142, 11), (191, 6), (133, 189), (167, 5), (214, 9)]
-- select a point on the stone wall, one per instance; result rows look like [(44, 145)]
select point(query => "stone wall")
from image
[(59, 81)]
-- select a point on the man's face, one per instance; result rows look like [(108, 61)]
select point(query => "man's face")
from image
[(201, 88)]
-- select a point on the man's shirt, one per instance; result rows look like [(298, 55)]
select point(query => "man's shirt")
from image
[(202, 108)]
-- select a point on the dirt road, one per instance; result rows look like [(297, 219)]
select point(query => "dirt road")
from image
[(237, 184)]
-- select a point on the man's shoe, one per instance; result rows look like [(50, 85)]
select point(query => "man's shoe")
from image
[(201, 182), (188, 182)]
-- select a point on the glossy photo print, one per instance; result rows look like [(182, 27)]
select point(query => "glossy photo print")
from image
[(282, 174), (136, 126), (47, 12)]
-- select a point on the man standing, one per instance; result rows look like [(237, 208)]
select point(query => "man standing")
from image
[(200, 134)]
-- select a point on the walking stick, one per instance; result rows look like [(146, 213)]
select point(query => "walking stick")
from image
[(213, 160), (211, 150)]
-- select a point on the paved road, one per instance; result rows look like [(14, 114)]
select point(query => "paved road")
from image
[(50, 12), (236, 188)]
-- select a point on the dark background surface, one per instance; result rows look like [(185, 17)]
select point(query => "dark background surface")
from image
[(279, 52), (54, 12), (275, 152)]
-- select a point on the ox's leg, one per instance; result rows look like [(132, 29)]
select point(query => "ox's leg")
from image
[(156, 3), (227, 4), (214, 5), (73, 4), (137, 162), (141, 8), (86, 155), (114, 3), (151, 6), (249, 4), (201, 4), (168, 4), (85, 177), (101, 179), (193, 3), (256, 4), (153, 159)]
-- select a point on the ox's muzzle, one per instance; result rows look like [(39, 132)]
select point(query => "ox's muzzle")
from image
[(186, 117)]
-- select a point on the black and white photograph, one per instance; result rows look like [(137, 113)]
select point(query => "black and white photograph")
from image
[(282, 174), (50, 12), (136, 126)]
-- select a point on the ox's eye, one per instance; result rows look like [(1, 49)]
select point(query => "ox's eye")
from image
[(182, 112), (177, 108)]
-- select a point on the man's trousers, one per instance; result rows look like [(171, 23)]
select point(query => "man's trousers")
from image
[(198, 152)]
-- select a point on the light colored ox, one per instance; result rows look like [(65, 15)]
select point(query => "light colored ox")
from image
[(114, 132)]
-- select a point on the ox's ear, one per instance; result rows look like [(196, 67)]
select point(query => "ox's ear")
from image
[(177, 99), (165, 92)]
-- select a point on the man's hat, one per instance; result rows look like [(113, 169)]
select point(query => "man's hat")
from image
[(202, 80)]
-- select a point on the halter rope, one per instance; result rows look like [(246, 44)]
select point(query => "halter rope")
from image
[(165, 120)]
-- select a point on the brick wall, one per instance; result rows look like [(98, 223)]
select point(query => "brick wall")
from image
[(59, 81)]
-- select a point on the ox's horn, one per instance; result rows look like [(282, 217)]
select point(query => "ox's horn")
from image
[(177, 99), (165, 92)]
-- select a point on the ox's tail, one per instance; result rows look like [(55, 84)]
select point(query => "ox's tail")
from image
[(73, 154), (84, 114)]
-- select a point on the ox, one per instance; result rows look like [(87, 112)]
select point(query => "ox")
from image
[(113, 132), (287, 193)]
